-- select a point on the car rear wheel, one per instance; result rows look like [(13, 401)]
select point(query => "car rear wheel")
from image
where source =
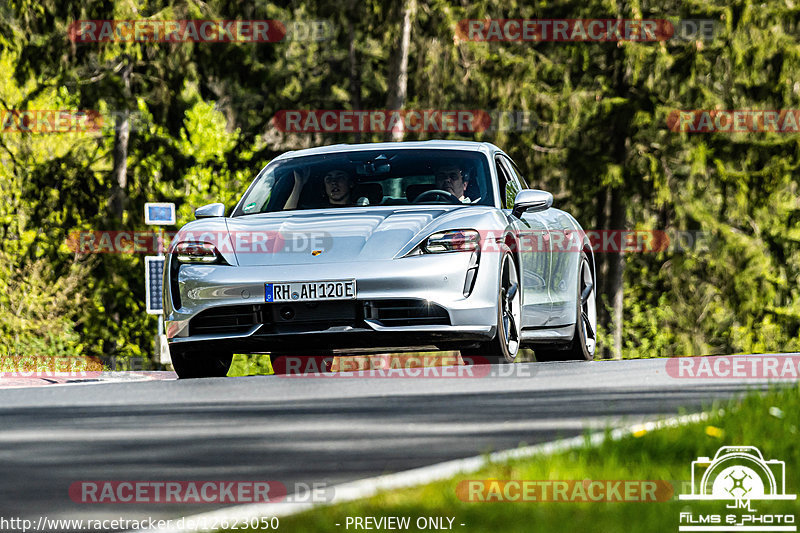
[(505, 345), (584, 341), (200, 362)]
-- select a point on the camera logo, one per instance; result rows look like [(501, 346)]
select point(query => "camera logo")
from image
[(738, 473)]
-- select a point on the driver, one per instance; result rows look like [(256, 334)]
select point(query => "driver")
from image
[(338, 184), (450, 178)]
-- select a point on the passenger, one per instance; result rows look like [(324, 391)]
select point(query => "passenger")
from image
[(338, 184)]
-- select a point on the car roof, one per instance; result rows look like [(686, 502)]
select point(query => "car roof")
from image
[(486, 148)]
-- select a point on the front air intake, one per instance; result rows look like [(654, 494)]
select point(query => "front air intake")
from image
[(406, 312), (230, 319)]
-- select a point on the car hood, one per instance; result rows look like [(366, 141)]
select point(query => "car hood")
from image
[(341, 235)]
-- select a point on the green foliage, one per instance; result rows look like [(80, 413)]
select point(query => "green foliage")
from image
[(599, 141), (38, 310), (250, 365)]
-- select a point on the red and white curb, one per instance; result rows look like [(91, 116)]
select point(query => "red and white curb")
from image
[(49, 379)]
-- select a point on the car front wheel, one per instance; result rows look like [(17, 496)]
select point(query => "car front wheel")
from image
[(505, 345)]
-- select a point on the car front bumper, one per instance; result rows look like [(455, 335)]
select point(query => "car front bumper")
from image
[(434, 280)]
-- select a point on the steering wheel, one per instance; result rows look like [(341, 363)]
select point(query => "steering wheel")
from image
[(437, 193)]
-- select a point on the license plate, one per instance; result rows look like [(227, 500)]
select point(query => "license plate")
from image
[(310, 291)]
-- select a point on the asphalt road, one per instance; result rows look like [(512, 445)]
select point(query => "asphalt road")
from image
[(306, 430)]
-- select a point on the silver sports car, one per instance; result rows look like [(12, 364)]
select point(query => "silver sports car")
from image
[(381, 247)]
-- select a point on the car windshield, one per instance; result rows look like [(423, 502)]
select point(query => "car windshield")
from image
[(370, 178)]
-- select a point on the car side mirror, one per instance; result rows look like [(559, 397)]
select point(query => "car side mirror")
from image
[(531, 200), (210, 211)]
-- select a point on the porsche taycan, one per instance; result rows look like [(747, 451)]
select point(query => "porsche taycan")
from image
[(381, 247)]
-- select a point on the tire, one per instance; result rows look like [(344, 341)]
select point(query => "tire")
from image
[(505, 345), (584, 341), (200, 362), (278, 363)]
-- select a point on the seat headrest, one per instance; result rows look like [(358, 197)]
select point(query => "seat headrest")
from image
[(371, 191)]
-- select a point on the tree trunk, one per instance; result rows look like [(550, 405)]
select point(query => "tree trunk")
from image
[(355, 79), (122, 129), (616, 269), (616, 215), (398, 88)]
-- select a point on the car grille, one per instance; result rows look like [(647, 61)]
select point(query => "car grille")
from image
[(278, 318), (406, 312), (231, 319), (299, 316)]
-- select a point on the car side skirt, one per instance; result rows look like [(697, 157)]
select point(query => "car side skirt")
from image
[(548, 335)]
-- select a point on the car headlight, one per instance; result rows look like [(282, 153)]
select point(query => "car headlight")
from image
[(196, 252), (463, 240)]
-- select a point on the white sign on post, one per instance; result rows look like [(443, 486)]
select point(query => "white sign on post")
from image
[(159, 213)]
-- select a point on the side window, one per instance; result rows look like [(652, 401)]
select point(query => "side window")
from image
[(510, 182), (503, 181), (515, 170)]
